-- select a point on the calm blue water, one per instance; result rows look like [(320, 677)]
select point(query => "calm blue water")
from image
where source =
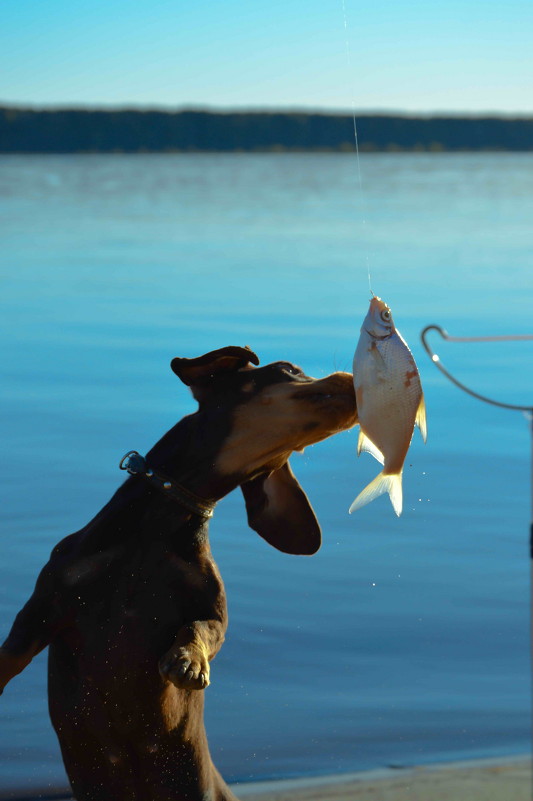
[(401, 641)]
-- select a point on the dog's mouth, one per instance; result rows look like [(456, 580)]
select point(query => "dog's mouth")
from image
[(315, 396), (333, 398), (337, 387)]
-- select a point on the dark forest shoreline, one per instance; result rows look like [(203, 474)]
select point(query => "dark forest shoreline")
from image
[(152, 131)]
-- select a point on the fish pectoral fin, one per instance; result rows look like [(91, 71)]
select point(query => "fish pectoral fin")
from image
[(391, 483), (379, 362), (365, 444), (420, 419)]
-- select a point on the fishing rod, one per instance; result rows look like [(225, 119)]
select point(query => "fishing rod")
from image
[(526, 410)]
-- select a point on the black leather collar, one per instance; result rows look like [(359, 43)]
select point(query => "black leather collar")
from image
[(136, 465)]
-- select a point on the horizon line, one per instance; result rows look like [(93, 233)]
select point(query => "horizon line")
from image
[(221, 110)]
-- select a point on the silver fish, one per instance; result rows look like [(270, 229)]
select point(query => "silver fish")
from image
[(390, 402)]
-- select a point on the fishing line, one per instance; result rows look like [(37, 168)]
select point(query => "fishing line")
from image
[(356, 137)]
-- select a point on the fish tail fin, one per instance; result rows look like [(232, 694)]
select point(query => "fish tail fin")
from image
[(391, 483)]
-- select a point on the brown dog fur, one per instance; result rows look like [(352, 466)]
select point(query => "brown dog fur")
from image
[(132, 607)]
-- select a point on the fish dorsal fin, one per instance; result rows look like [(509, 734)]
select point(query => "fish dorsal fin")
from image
[(366, 445), (421, 418)]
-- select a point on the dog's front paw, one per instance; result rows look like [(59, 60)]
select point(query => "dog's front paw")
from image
[(186, 667)]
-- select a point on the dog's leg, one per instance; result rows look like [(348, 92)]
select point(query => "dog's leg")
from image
[(34, 627), (186, 663)]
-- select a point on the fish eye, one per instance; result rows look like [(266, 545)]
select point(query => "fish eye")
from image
[(386, 315)]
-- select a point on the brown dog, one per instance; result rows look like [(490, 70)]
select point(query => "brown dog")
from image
[(133, 607)]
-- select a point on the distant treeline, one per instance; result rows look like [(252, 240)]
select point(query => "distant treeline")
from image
[(80, 131)]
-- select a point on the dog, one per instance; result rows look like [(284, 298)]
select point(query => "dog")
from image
[(132, 606)]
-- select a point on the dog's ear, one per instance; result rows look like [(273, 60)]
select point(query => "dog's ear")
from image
[(198, 373), (279, 510)]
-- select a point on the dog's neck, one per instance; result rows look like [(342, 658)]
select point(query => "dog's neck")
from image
[(139, 513), (189, 451), (166, 519), (138, 509)]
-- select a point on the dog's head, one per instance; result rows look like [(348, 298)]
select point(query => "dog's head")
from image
[(261, 415)]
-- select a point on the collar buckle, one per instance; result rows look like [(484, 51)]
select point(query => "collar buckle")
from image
[(136, 465)]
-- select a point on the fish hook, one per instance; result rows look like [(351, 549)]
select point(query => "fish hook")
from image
[(438, 363)]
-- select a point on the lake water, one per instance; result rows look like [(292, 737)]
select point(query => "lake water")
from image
[(403, 640)]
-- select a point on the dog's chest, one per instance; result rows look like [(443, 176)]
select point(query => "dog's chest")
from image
[(134, 606)]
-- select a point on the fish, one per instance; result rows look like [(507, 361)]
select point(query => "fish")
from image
[(390, 402)]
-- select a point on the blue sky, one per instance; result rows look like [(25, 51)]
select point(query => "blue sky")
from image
[(404, 55)]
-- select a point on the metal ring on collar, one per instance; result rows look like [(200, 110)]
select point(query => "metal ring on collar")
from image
[(133, 462)]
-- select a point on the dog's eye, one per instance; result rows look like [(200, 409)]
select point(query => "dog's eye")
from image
[(290, 368)]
